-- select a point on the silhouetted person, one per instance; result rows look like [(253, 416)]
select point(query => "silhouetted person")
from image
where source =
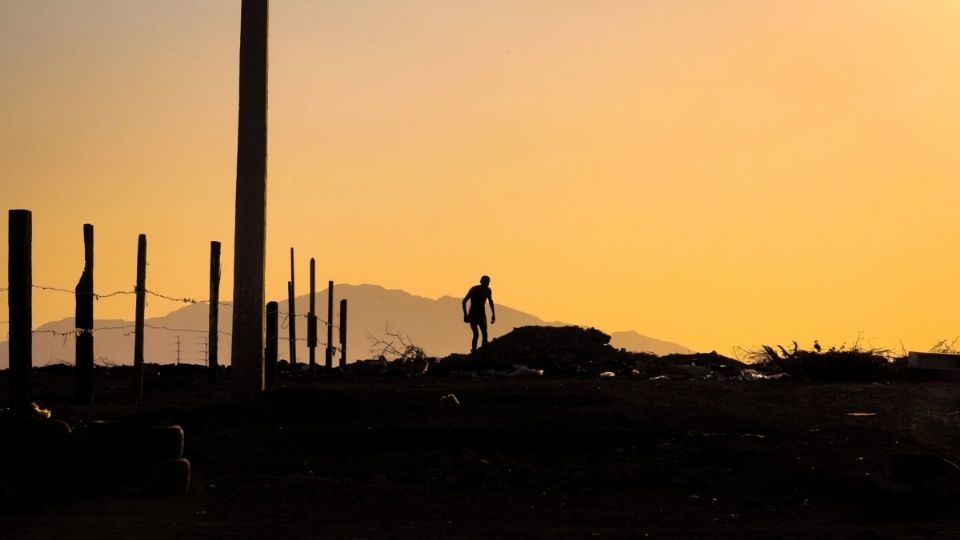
[(478, 295)]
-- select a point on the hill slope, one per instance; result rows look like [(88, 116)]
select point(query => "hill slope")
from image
[(434, 325)]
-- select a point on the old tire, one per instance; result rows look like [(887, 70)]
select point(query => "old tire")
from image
[(167, 477), (118, 440), (32, 440), (162, 477)]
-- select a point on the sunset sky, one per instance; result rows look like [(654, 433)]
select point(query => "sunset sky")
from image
[(715, 173)]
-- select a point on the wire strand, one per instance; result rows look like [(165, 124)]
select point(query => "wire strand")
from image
[(100, 296)]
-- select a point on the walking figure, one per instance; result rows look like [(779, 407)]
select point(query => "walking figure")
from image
[(478, 295)]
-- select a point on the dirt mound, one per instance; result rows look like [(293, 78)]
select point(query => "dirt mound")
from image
[(576, 351), (557, 349)]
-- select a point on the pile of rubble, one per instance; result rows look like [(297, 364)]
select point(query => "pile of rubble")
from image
[(569, 351), (572, 351)]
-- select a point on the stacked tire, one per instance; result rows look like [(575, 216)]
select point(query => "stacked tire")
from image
[(140, 455), (33, 451)]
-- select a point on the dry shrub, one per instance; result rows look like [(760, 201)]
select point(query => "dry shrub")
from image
[(843, 364)]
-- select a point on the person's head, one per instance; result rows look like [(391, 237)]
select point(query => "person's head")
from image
[(485, 280)]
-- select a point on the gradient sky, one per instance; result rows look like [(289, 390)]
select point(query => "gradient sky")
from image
[(715, 173)]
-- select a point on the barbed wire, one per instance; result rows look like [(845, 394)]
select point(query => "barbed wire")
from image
[(285, 322), (97, 296), (78, 331), (185, 300), (127, 292), (155, 327), (53, 289)]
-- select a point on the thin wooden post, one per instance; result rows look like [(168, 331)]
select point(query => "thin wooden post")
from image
[(20, 304), (292, 308), (84, 322), (272, 340), (329, 358), (343, 333), (213, 333), (290, 322), (250, 221), (312, 316), (141, 291)]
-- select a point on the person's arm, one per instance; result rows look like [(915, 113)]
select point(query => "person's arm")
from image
[(493, 311), (465, 298)]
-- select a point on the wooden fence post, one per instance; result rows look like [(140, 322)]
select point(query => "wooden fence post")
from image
[(312, 316), (272, 340), (290, 322), (343, 333), (292, 308), (84, 322), (250, 218), (213, 333), (20, 302), (141, 291), (329, 358)]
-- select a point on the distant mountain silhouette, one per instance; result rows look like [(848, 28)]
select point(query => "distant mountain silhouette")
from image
[(435, 325), (636, 342)]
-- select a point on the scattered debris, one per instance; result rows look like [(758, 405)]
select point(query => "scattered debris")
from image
[(754, 375), (39, 411), (523, 371), (933, 360), (573, 351), (450, 400), (861, 414), (400, 367)]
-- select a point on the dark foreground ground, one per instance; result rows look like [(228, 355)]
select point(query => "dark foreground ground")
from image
[(369, 457)]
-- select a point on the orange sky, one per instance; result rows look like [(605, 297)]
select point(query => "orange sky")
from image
[(715, 173)]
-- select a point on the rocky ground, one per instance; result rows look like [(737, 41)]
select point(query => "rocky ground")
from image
[(364, 456)]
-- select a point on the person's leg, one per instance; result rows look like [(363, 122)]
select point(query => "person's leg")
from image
[(483, 330), (473, 345)]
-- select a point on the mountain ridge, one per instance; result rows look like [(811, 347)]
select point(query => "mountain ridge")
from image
[(374, 311)]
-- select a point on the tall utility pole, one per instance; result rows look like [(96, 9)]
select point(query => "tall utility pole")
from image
[(250, 221)]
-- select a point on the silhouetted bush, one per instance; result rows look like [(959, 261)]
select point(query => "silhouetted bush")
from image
[(835, 365)]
